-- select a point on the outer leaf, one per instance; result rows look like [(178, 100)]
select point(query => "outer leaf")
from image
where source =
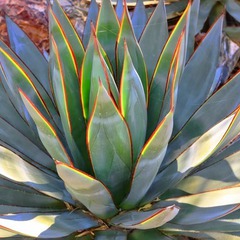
[(29, 54), (194, 91), (16, 169), (107, 29), (223, 173), (160, 76), (133, 104), (29, 200), (207, 206), (229, 223), (197, 153), (70, 33), (49, 225), (91, 19), (205, 117), (69, 71), (109, 145), (145, 220), (24, 141), (88, 191), (149, 161), (46, 132), (18, 76), (126, 34), (139, 18), (154, 37)]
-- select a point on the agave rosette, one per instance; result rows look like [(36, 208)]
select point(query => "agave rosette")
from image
[(118, 134)]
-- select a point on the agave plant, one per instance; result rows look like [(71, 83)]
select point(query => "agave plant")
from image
[(118, 134)]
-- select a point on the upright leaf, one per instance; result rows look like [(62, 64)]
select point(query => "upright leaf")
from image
[(119, 9), (95, 67), (70, 86), (70, 33), (88, 191), (160, 76), (91, 19), (107, 30), (139, 18), (154, 37), (133, 104), (109, 145), (127, 34), (193, 91), (63, 103)]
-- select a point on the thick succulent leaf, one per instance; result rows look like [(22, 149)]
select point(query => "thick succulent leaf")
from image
[(29, 54), (223, 173), (145, 220), (48, 225), (192, 27), (139, 18), (229, 223), (109, 145), (62, 93), (149, 161), (133, 104), (207, 206), (205, 117), (160, 76), (95, 66), (193, 92), (100, 71), (30, 200), (193, 156), (70, 33), (74, 124), (88, 191), (16, 169), (110, 235), (46, 132), (18, 76), (206, 7), (119, 9), (91, 19), (148, 235), (24, 141), (154, 37), (205, 235), (174, 76), (126, 34), (107, 29)]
